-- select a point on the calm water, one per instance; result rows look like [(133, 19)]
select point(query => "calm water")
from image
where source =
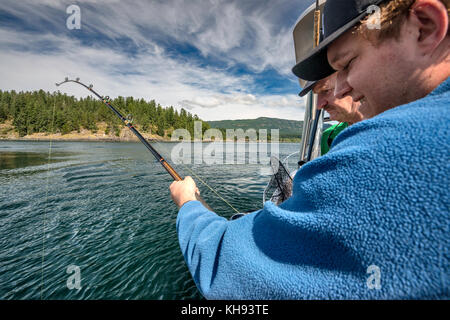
[(104, 208)]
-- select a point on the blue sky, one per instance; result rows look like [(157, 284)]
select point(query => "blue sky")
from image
[(217, 59)]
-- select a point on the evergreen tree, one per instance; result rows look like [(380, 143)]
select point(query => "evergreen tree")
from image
[(32, 112)]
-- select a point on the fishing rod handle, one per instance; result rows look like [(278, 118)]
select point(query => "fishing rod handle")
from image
[(170, 170), (177, 177)]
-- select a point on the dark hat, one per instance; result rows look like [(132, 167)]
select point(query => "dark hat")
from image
[(338, 17), (308, 87)]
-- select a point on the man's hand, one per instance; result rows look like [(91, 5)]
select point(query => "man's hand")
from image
[(183, 191)]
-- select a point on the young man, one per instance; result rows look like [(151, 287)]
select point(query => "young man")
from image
[(369, 220), (365, 56), (344, 110)]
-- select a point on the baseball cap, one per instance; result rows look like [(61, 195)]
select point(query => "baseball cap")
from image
[(308, 87), (338, 17)]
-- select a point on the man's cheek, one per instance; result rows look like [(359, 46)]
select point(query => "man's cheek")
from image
[(364, 72), (362, 81)]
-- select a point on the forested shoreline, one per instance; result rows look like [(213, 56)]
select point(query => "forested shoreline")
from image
[(45, 112), (43, 115)]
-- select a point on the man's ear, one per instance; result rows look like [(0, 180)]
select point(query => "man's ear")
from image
[(431, 20)]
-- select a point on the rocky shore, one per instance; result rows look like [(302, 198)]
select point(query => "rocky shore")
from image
[(7, 132)]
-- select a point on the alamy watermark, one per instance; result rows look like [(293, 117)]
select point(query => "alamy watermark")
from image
[(74, 281), (374, 19), (74, 20), (374, 280), (237, 147)]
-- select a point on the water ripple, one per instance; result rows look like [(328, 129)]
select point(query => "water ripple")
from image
[(104, 208)]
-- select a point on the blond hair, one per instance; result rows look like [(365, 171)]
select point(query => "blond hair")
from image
[(392, 15)]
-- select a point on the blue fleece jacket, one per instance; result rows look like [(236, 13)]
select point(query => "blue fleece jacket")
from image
[(369, 220)]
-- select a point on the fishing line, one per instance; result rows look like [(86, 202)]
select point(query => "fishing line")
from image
[(208, 186), (203, 182), (161, 160), (192, 172), (46, 198), (129, 118), (212, 189)]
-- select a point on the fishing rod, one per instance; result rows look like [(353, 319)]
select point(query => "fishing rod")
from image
[(128, 123)]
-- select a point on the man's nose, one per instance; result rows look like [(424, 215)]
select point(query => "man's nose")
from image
[(342, 88), (321, 101)]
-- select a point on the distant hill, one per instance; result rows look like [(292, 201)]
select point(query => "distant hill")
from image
[(288, 129)]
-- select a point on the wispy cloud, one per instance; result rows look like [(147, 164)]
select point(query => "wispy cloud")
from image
[(207, 56)]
